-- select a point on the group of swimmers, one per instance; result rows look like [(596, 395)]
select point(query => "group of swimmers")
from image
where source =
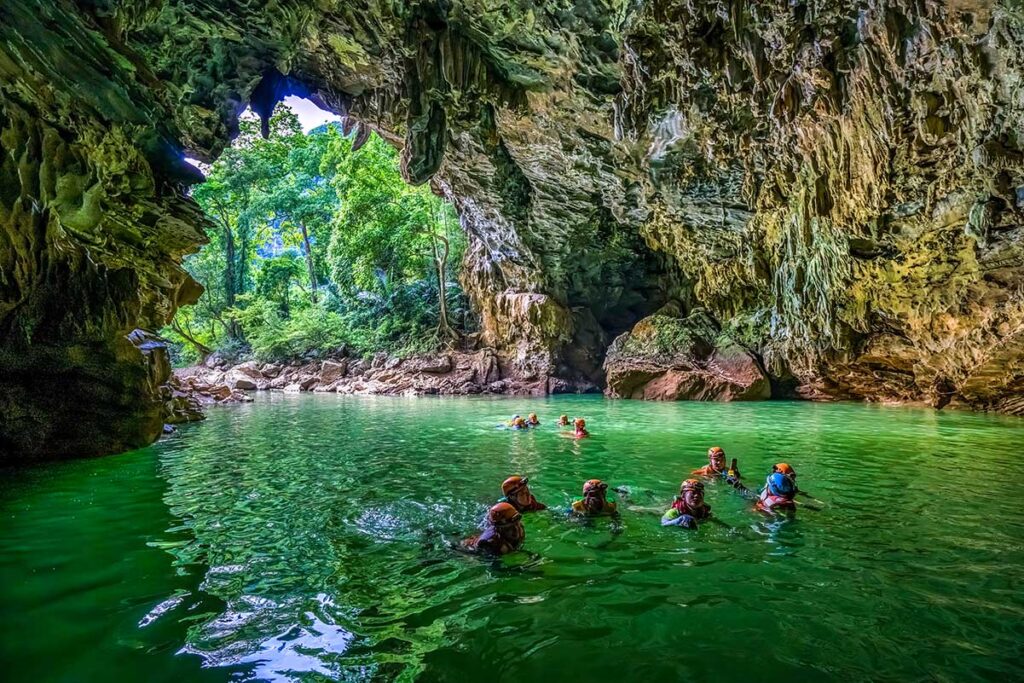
[(578, 424), (504, 532)]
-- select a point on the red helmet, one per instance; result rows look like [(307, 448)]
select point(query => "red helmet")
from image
[(592, 485), (513, 484), (579, 423), (502, 514)]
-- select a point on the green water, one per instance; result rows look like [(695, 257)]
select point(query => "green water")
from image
[(304, 538)]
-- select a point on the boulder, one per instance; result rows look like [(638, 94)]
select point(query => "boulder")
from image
[(486, 367), (331, 371), (439, 364), (670, 359), (244, 383), (271, 370)]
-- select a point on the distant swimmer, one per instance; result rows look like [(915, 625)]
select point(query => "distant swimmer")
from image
[(579, 429), (563, 421), (532, 420), (516, 491), (778, 493), (689, 506), (503, 532), (594, 502), (517, 422)]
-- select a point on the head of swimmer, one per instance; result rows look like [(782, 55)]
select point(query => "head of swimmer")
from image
[(517, 489), (716, 458), (691, 492), (786, 469), (594, 491), (563, 420), (532, 419), (507, 522)]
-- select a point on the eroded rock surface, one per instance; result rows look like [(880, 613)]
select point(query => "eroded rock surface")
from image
[(667, 358), (839, 185)]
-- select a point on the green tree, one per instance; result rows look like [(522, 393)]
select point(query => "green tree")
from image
[(388, 233), (317, 246)]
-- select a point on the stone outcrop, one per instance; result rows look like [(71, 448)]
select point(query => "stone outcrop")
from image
[(453, 373), (841, 186), (667, 358)]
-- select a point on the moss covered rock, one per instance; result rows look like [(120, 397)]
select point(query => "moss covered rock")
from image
[(669, 359)]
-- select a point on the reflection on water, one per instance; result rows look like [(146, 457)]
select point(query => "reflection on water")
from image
[(309, 540)]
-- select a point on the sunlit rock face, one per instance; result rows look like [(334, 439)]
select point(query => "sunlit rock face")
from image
[(840, 187)]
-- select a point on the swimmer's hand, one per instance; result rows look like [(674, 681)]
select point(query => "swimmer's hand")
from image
[(685, 521)]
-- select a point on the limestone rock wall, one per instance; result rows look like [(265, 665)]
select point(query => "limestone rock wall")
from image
[(840, 186)]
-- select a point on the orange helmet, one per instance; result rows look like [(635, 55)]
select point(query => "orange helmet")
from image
[(518, 421), (513, 484), (716, 450), (579, 422), (691, 485), (784, 468), (502, 514), (592, 485)]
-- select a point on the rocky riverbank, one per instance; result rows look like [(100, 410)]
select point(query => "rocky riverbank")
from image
[(455, 373)]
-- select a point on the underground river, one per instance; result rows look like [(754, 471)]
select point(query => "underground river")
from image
[(305, 537)]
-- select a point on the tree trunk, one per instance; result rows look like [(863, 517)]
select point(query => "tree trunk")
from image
[(444, 330), (230, 277), (203, 349), (309, 262)]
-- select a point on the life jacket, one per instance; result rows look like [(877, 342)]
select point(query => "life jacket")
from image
[(769, 501), (492, 542), (703, 512), (579, 508)]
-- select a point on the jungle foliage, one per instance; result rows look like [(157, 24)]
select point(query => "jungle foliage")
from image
[(316, 248)]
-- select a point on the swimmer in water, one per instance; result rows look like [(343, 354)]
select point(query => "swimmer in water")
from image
[(716, 468), (503, 532), (517, 423), (563, 421), (689, 506), (579, 429), (778, 494), (594, 503), (716, 463), (786, 469), (532, 420), (516, 492)]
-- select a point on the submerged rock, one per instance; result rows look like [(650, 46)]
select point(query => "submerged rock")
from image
[(671, 359)]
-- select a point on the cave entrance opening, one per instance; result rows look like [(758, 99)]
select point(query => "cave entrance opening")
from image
[(318, 247)]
